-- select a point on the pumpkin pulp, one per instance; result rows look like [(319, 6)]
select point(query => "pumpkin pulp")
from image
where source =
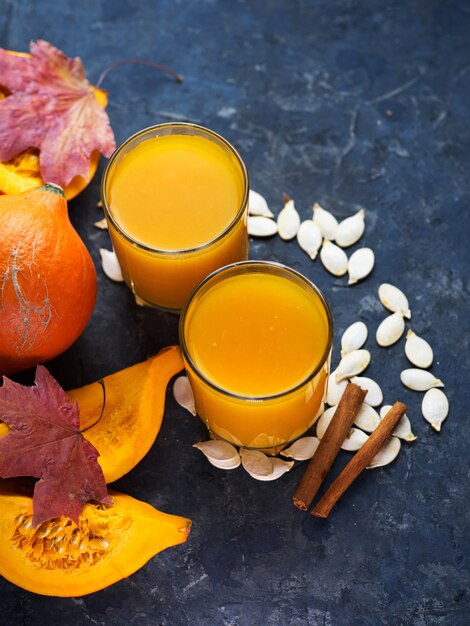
[(60, 558)]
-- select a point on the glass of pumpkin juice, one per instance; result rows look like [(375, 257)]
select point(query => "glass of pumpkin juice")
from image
[(175, 197), (256, 339)]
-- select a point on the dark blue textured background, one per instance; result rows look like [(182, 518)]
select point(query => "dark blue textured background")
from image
[(352, 104)]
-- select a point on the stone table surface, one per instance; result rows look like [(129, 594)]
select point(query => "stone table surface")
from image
[(351, 104)]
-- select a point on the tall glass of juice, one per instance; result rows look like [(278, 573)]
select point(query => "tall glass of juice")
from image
[(175, 197), (256, 339)]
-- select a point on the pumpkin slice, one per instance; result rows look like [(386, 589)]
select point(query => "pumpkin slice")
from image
[(132, 414), (22, 172), (59, 558), (133, 411)]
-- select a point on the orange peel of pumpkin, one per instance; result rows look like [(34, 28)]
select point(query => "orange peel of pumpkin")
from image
[(134, 403), (133, 411)]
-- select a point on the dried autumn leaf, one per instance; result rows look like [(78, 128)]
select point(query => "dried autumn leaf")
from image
[(45, 442), (52, 107)]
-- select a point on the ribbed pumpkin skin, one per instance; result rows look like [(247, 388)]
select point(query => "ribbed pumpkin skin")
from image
[(60, 559), (47, 279)]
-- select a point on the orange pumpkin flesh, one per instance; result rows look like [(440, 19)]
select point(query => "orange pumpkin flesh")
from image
[(59, 558), (22, 172), (133, 412), (47, 278)]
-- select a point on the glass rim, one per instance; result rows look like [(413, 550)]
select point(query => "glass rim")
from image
[(263, 265), (209, 133)]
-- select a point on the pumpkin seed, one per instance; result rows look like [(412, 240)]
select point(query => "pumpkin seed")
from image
[(259, 226), (350, 230), (334, 259), (102, 224), (262, 467), (279, 468), (324, 421), (394, 299), (55, 529), (98, 544), (352, 364), (110, 265), (418, 351), (354, 440), (335, 390), (419, 380), (326, 222), (368, 419), (403, 428), (43, 530), (256, 462), (288, 221), (261, 441), (387, 453), (221, 454), (75, 540), (257, 205), (360, 264), (183, 394), (390, 330), (224, 434), (435, 407), (374, 395), (302, 449), (309, 238), (353, 338)]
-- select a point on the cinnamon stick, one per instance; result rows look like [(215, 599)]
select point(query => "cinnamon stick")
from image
[(360, 460), (321, 462)]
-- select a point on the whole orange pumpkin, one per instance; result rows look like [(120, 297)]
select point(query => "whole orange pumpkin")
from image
[(47, 279)]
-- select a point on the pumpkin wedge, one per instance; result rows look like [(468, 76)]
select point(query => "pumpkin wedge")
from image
[(134, 403), (22, 172), (133, 411), (61, 558)]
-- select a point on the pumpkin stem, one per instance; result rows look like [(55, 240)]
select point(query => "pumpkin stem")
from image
[(163, 68), (54, 188), (103, 387)]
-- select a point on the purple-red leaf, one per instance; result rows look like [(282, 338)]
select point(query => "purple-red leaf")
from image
[(45, 442), (52, 107)]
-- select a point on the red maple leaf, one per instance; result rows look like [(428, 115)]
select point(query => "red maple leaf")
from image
[(51, 107), (45, 442)]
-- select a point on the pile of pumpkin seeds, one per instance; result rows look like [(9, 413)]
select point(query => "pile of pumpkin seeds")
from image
[(322, 232)]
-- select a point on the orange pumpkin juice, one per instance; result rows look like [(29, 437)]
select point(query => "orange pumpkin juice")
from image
[(175, 197), (256, 339)]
